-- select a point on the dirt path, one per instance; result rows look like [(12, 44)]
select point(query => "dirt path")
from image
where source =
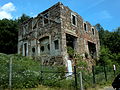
[(107, 88)]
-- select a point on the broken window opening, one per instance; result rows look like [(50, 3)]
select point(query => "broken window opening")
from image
[(25, 49), (92, 50), (85, 26), (33, 49), (48, 46), (44, 43), (74, 20), (42, 48), (56, 43), (71, 44), (93, 31)]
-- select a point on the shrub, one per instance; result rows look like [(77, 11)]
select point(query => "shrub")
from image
[(25, 71)]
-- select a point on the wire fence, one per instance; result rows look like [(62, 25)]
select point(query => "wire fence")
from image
[(13, 75)]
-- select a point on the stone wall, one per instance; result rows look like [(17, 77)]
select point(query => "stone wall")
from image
[(44, 37)]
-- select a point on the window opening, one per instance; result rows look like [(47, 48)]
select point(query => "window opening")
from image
[(42, 48), (33, 50), (85, 27), (93, 31), (56, 44), (25, 49), (48, 46), (92, 49), (73, 19), (71, 44)]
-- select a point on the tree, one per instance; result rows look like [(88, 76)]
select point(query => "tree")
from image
[(9, 34), (23, 18)]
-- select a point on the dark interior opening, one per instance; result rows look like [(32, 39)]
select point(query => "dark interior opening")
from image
[(33, 49), (56, 44), (85, 27), (71, 43), (42, 48), (74, 19), (25, 49), (48, 46), (93, 31), (92, 49)]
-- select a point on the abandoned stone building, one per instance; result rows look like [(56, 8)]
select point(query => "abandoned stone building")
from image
[(48, 35)]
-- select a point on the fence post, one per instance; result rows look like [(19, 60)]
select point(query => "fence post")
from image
[(114, 69), (75, 77), (93, 71), (41, 71), (10, 73), (81, 83), (105, 73)]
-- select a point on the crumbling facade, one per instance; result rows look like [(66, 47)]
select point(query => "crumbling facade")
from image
[(48, 35)]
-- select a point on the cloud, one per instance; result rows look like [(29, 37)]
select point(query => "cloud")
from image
[(4, 14), (6, 10)]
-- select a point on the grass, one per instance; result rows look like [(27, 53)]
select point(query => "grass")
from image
[(41, 87)]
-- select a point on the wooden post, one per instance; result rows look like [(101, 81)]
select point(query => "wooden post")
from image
[(10, 74), (81, 84), (105, 73), (75, 74)]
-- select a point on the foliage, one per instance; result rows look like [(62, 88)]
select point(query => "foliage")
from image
[(9, 34), (110, 43), (23, 18), (105, 56), (27, 73), (70, 51), (24, 71)]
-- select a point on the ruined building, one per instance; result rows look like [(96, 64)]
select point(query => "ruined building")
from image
[(48, 35)]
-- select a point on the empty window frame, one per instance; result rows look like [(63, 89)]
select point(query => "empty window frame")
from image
[(93, 31), (33, 49), (85, 26), (25, 49), (73, 19), (56, 44), (48, 46), (42, 48)]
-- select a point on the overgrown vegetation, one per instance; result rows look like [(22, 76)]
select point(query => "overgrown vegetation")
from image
[(110, 46), (24, 71), (28, 73)]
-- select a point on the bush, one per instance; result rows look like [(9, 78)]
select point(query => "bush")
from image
[(25, 71)]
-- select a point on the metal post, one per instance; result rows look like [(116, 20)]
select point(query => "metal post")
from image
[(93, 71), (81, 83), (10, 74), (105, 73), (75, 77)]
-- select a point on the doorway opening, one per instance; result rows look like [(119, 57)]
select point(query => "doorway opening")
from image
[(71, 44), (92, 49)]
